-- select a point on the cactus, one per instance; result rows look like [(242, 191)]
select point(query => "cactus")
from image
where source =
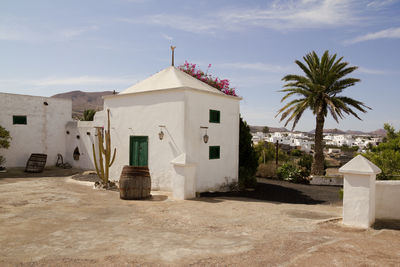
[(104, 164)]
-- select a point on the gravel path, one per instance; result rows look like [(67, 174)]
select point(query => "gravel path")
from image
[(57, 222)]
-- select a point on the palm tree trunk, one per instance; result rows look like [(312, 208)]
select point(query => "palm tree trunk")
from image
[(317, 167)]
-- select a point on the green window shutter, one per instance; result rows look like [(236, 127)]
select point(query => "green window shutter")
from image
[(214, 152), (215, 116), (19, 120)]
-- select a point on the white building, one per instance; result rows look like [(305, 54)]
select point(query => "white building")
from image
[(199, 149), (36, 125), (340, 140), (298, 140), (180, 106)]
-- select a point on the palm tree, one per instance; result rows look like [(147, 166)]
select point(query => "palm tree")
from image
[(88, 114), (319, 91)]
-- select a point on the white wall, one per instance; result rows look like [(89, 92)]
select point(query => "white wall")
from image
[(84, 143), (387, 200), (211, 174), (182, 112), (44, 131), (141, 114)]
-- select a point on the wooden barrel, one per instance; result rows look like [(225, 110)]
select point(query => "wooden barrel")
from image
[(36, 163), (134, 183)]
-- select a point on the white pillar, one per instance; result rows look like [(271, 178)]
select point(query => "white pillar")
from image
[(359, 192), (184, 179)]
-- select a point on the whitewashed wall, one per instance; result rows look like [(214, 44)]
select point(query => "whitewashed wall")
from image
[(81, 135), (182, 111), (212, 174), (44, 131), (387, 200), (140, 114)]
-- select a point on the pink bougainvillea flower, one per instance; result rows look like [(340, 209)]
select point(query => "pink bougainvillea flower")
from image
[(220, 84)]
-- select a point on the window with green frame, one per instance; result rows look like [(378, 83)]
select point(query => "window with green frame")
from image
[(215, 116), (19, 119), (214, 152)]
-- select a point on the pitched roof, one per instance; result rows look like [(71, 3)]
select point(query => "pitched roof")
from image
[(170, 78), (360, 165)]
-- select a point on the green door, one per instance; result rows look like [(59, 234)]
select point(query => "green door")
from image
[(138, 151)]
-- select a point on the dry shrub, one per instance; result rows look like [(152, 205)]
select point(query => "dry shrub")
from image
[(267, 170)]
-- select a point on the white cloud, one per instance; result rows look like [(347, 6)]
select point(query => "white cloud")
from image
[(380, 3), (167, 37), (82, 80), (11, 30), (262, 67), (280, 15), (391, 33), (183, 23), (371, 71), (70, 33), (377, 71)]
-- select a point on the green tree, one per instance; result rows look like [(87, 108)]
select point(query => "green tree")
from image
[(248, 162), (386, 155), (265, 130), (265, 151), (88, 114), (4, 141), (320, 91)]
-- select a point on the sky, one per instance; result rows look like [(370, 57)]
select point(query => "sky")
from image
[(50, 47)]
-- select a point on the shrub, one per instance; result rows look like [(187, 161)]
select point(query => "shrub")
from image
[(88, 114), (296, 153), (248, 161), (267, 170), (4, 142), (265, 151), (306, 161), (386, 155), (291, 173), (246, 178)]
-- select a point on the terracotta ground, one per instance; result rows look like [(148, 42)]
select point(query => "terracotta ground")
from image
[(57, 221)]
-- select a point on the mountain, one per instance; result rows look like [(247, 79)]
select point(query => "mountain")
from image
[(379, 132), (332, 131), (84, 100), (255, 129)]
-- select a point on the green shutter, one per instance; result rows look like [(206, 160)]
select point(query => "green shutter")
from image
[(138, 151), (214, 116), (214, 152), (19, 120)]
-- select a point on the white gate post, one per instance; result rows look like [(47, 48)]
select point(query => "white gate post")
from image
[(359, 192)]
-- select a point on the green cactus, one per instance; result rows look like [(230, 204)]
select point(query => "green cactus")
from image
[(106, 162)]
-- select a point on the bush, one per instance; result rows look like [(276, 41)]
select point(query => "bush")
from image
[(4, 142), (296, 153), (305, 163), (291, 173), (246, 179), (267, 170), (386, 155), (264, 151), (248, 161)]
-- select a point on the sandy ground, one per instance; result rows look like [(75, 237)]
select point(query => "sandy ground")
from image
[(57, 221)]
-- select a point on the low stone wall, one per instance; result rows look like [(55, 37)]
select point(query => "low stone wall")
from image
[(327, 180), (387, 202)]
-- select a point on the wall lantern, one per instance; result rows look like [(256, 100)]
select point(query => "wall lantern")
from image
[(205, 136), (161, 133)]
